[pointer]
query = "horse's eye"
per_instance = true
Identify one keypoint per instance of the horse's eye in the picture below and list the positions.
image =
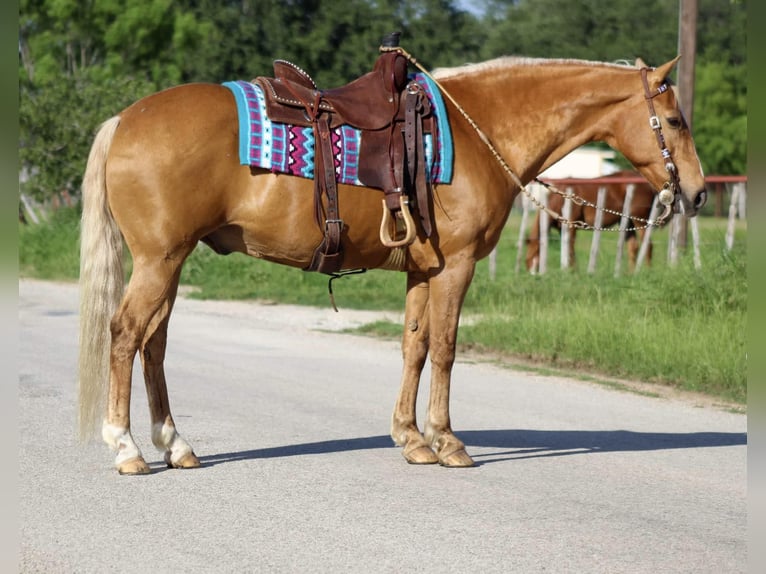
(674, 122)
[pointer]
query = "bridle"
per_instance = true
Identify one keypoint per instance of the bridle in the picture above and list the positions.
(668, 195)
(672, 189)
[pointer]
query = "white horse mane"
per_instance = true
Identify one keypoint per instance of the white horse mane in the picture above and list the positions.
(512, 61)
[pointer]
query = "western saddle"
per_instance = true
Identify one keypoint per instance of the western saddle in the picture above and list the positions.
(392, 114)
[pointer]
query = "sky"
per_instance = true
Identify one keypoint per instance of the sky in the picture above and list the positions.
(474, 6)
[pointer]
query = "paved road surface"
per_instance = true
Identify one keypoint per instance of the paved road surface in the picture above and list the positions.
(299, 475)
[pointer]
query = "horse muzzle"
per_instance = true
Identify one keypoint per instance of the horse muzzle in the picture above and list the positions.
(690, 207)
(675, 201)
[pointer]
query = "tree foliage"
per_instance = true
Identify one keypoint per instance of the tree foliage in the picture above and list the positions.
(602, 30)
(80, 61)
(720, 117)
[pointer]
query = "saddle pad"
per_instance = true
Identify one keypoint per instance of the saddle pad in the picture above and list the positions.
(284, 148)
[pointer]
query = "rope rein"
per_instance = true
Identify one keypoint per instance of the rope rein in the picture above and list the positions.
(565, 194)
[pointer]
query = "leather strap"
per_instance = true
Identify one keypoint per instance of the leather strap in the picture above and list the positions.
(418, 182)
(328, 256)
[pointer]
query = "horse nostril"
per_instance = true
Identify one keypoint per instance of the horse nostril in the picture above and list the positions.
(700, 199)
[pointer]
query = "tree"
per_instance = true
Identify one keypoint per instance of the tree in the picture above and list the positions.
(81, 62)
(720, 118)
(601, 30)
(57, 121)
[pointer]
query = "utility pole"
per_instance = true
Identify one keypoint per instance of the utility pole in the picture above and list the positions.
(687, 48)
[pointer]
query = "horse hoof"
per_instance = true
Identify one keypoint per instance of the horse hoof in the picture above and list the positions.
(456, 459)
(133, 466)
(421, 455)
(189, 460)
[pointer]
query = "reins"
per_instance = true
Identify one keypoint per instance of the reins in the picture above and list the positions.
(666, 195)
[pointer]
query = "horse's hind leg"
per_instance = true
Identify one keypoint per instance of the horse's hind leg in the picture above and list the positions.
(404, 429)
(178, 453)
(146, 293)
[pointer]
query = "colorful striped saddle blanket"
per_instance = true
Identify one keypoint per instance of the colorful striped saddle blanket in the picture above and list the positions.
(284, 148)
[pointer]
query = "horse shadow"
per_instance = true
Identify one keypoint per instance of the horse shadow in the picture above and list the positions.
(510, 444)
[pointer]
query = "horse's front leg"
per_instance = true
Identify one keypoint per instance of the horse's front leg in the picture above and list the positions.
(404, 429)
(177, 452)
(448, 290)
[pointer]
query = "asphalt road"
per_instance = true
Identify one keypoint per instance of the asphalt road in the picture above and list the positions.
(291, 420)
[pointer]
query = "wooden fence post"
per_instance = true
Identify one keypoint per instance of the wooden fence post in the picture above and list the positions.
(742, 203)
(520, 244)
(624, 222)
(566, 232)
(674, 231)
(542, 263)
(644, 249)
(594, 245)
(735, 205)
(696, 243)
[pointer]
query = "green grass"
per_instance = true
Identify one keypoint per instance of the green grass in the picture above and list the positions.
(51, 250)
(672, 326)
(237, 276)
(681, 328)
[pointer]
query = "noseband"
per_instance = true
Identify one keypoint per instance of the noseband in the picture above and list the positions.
(671, 191)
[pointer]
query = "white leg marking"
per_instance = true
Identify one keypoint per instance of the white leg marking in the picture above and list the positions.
(120, 440)
(166, 438)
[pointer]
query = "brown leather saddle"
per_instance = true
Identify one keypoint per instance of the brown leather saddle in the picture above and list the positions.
(392, 114)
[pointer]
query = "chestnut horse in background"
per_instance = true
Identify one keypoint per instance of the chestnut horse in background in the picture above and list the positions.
(164, 174)
(640, 207)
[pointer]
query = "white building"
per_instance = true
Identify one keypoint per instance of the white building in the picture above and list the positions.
(583, 162)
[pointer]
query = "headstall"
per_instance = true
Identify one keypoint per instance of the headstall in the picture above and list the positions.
(672, 187)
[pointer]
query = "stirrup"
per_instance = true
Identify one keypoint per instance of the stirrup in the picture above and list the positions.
(409, 236)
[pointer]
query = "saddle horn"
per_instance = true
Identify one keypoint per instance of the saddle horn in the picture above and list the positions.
(391, 40)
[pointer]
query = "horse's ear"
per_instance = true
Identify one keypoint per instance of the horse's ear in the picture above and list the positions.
(640, 63)
(659, 74)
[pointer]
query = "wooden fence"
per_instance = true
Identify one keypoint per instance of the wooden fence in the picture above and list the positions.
(717, 186)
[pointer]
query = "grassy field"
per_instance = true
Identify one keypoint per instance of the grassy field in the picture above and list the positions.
(670, 326)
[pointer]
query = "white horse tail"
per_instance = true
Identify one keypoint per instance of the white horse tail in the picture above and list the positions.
(101, 283)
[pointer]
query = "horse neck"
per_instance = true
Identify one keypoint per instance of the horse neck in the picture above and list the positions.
(537, 111)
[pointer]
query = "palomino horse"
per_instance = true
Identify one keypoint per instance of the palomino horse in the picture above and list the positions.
(164, 174)
(640, 207)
